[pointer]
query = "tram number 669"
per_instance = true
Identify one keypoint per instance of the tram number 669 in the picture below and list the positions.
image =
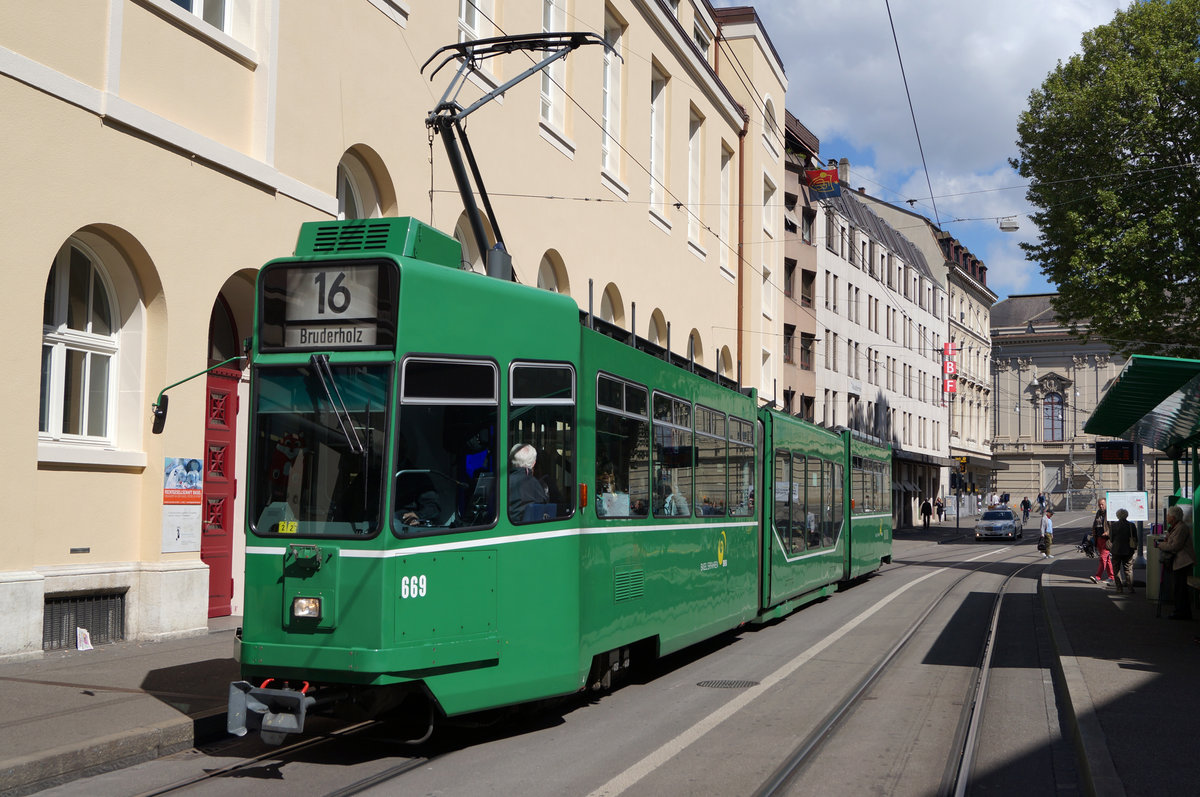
(412, 587)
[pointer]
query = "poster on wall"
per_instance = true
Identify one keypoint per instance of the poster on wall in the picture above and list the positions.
(183, 493)
(1135, 503)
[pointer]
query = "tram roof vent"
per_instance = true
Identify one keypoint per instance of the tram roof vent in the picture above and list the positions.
(404, 236)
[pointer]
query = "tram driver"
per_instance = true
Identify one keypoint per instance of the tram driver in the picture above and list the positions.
(417, 501)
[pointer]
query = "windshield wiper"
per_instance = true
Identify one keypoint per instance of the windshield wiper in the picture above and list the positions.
(320, 364)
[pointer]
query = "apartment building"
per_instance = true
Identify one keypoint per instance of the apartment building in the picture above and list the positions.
(881, 322)
(798, 384)
(163, 150)
(967, 361)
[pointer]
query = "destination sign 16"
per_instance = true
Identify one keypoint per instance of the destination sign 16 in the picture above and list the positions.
(335, 307)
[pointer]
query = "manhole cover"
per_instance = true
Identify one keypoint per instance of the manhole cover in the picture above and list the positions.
(727, 684)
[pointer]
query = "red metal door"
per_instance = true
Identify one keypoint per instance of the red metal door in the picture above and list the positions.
(220, 488)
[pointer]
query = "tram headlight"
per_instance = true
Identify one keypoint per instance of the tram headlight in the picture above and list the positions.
(309, 608)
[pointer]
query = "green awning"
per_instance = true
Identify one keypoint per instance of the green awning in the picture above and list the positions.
(1155, 401)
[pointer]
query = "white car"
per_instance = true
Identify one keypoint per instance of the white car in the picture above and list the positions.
(1000, 523)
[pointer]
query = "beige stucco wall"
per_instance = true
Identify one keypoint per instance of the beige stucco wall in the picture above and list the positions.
(182, 157)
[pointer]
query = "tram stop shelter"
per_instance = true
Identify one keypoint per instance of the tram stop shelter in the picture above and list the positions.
(1155, 402)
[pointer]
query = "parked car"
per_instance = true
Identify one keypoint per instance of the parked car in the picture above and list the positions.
(999, 523)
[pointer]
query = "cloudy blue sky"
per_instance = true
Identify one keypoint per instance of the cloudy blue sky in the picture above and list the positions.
(970, 66)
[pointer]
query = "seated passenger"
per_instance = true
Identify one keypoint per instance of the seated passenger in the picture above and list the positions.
(524, 489)
(675, 502)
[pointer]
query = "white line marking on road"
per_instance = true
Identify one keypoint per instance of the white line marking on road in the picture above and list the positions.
(677, 745)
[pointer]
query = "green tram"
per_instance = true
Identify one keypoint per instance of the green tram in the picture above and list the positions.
(462, 498)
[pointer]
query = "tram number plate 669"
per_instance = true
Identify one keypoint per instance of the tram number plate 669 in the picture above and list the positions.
(412, 587)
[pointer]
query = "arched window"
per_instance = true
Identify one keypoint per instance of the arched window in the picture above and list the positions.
(357, 195)
(79, 350)
(1052, 418)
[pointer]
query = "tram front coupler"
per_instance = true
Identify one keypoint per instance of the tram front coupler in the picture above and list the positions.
(273, 712)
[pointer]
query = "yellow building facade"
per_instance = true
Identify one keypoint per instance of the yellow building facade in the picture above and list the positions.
(157, 153)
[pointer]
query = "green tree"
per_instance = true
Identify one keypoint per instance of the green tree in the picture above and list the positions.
(1111, 143)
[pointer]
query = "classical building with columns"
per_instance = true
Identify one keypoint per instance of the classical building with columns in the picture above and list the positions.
(1046, 383)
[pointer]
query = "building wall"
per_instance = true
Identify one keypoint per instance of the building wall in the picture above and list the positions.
(1043, 444)
(879, 351)
(181, 157)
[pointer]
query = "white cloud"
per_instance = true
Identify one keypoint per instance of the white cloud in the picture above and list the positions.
(970, 68)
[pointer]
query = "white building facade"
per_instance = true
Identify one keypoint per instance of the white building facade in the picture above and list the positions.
(880, 318)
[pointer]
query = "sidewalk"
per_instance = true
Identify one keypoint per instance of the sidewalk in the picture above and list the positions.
(1127, 687)
(72, 714)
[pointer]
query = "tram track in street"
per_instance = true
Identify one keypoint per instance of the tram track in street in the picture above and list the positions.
(956, 777)
(260, 765)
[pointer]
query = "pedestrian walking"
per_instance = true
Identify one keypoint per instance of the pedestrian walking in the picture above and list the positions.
(926, 511)
(1123, 542)
(939, 506)
(1178, 545)
(1041, 503)
(1047, 533)
(1100, 536)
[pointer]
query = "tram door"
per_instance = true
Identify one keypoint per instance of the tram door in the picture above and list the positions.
(220, 488)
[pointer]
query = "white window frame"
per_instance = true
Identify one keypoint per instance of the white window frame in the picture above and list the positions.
(658, 138)
(727, 231)
(61, 340)
(553, 103)
(217, 13)
(472, 19)
(695, 173)
(610, 107)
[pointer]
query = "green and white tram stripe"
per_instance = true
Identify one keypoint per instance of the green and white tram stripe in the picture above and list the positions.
(487, 542)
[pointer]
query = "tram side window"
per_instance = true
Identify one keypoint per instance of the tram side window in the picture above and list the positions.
(622, 449)
(741, 468)
(782, 498)
(814, 500)
(541, 414)
(445, 471)
(790, 521)
(833, 527)
(862, 486)
(673, 456)
(710, 462)
(803, 521)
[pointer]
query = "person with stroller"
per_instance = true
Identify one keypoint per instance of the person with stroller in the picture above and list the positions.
(1100, 533)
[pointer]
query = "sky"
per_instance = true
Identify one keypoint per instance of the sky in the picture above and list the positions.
(970, 66)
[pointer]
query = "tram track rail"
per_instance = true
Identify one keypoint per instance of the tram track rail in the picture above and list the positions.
(295, 752)
(956, 777)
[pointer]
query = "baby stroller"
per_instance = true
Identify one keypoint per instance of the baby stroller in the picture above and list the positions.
(1087, 546)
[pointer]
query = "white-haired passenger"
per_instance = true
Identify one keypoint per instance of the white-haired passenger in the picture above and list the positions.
(524, 489)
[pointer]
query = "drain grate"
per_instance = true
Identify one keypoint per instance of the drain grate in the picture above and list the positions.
(727, 684)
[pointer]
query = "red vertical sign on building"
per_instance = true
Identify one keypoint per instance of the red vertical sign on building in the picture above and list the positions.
(949, 369)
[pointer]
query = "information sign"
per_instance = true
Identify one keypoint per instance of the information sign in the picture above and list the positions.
(1115, 451)
(1135, 503)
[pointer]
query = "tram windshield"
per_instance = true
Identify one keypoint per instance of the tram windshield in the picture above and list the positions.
(319, 441)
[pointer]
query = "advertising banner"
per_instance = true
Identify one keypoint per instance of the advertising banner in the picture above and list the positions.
(183, 494)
